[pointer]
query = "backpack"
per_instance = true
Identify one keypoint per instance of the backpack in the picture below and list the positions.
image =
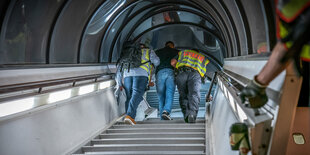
(130, 57)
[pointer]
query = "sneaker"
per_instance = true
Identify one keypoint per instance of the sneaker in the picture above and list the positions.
(191, 119)
(165, 115)
(129, 120)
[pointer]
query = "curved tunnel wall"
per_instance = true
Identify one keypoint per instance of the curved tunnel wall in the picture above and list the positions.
(83, 32)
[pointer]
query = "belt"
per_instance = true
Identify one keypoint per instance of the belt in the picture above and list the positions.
(186, 69)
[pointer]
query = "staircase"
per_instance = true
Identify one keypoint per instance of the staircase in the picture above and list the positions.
(152, 98)
(150, 137)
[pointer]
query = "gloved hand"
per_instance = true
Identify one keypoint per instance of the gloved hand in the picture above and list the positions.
(255, 93)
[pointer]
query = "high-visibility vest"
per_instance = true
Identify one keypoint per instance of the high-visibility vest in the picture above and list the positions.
(286, 13)
(305, 53)
(146, 58)
(289, 10)
(193, 59)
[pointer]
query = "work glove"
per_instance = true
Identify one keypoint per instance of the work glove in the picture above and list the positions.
(255, 93)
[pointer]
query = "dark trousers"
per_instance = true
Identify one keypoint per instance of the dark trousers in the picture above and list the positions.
(189, 83)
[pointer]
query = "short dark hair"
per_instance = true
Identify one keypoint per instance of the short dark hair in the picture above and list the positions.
(195, 49)
(169, 42)
(142, 45)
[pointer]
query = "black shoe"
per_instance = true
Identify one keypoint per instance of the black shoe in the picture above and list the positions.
(165, 115)
(191, 119)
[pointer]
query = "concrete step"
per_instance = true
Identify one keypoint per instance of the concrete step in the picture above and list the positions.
(154, 130)
(159, 126)
(164, 140)
(146, 153)
(144, 147)
(158, 121)
(153, 135)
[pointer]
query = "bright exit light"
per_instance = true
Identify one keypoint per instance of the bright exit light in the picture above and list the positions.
(60, 95)
(104, 85)
(86, 89)
(11, 107)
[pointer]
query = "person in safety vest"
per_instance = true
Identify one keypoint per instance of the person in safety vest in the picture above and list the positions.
(136, 81)
(293, 31)
(191, 68)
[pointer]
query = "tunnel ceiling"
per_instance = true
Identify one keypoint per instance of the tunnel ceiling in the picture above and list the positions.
(91, 32)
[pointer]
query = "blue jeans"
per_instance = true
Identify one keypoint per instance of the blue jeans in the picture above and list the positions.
(135, 87)
(165, 86)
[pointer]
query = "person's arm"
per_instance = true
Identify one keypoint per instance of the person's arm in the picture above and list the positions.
(151, 83)
(297, 33)
(154, 58)
(173, 62)
(273, 66)
(255, 90)
(119, 78)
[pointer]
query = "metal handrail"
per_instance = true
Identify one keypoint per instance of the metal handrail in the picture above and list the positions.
(254, 116)
(211, 85)
(40, 84)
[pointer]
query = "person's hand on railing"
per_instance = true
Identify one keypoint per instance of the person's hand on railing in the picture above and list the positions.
(255, 94)
(209, 99)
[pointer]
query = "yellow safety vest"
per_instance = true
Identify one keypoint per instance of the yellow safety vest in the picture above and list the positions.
(289, 10)
(305, 53)
(193, 59)
(287, 13)
(145, 58)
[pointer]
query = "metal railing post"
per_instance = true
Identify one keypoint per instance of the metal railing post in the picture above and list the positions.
(211, 85)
